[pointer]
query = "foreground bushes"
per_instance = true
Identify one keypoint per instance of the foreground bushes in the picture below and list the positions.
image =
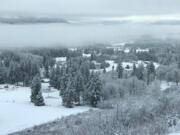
(120, 88)
(133, 116)
(125, 119)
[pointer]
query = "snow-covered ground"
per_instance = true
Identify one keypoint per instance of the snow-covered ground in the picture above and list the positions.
(111, 63)
(88, 55)
(130, 64)
(60, 59)
(165, 85)
(126, 50)
(142, 50)
(108, 69)
(124, 65)
(17, 113)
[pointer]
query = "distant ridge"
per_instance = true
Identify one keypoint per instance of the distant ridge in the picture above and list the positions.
(31, 20)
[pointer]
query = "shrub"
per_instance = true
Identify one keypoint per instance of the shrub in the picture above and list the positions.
(105, 105)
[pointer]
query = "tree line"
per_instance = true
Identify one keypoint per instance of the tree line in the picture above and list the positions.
(18, 67)
(76, 84)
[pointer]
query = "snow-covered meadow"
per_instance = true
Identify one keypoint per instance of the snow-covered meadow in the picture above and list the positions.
(108, 69)
(17, 113)
(112, 64)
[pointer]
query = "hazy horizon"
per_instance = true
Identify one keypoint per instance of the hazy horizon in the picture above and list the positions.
(65, 22)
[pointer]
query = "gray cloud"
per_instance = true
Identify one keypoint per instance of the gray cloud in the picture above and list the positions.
(92, 7)
(91, 21)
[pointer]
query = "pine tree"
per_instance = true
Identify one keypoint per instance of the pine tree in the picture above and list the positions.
(26, 79)
(140, 72)
(134, 70)
(93, 93)
(46, 66)
(85, 71)
(96, 94)
(63, 82)
(12, 72)
(151, 68)
(55, 75)
(68, 95)
(39, 100)
(2, 74)
(29, 69)
(88, 89)
(52, 76)
(176, 76)
(113, 68)
(151, 72)
(104, 70)
(79, 88)
(120, 70)
(178, 65)
(36, 95)
(34, 69)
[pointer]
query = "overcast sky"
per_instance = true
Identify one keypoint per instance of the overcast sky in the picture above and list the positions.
(87, 30)
(90, 7)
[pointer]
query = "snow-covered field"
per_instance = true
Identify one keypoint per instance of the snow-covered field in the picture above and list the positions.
(130, 64)
(137, 63)
(18, 113)
(165, 85)
(108, 69)
(124, 65)
(111, 63)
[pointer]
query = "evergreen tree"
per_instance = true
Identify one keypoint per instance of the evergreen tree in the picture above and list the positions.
(51, 62)
(36, 95)
(34, 69)
(120, 70)
(127, 67)
(39, 100)
(46, 66)
(113, 68)
(93, 56)
(151, 72)
(93, 93)
(134, 70)
(29, 68)
(12, 72)
(140, 72)
(176, 77)
(178, 65)
(79, 88)
(151, 68)
(2, 74)
(85, 71)
(26, 79)
(55, 77)
(52, 76)
(63, 81)
(68, 95)
(104, 70)
(97, 91)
